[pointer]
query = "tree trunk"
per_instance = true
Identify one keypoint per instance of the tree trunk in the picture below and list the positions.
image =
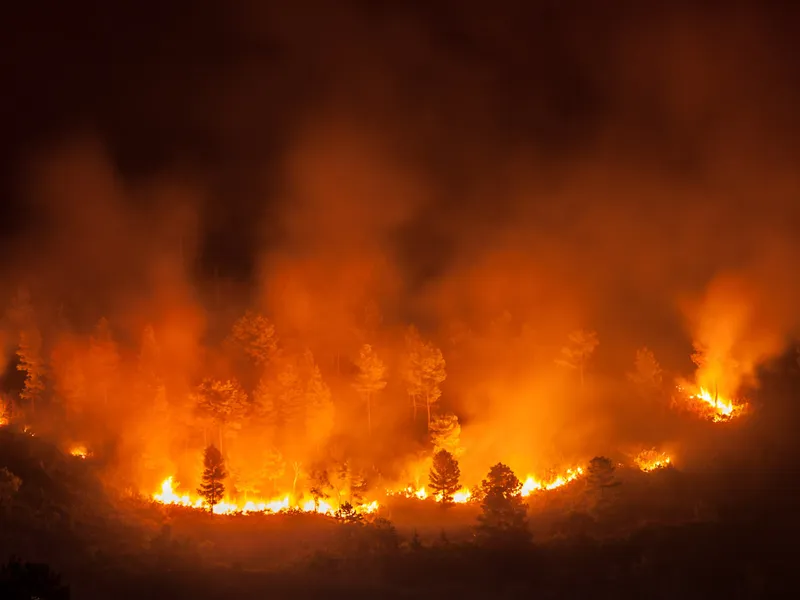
(414, 406)
(220, 437)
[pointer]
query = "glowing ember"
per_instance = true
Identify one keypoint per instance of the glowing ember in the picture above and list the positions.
(532, 484)
(3, 421)
(79, 452)
(651, 460)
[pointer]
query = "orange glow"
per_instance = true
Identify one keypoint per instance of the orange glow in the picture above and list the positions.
(714, 407)
(79, 451)
(533, 484)
(170, 496)
(651, 460)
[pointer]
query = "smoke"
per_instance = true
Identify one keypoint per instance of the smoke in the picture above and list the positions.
(498, 181)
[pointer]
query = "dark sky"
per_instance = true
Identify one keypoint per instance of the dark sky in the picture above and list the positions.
(219, 90)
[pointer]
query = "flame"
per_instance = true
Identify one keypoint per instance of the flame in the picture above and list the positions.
(3, 421)
(532, 484)
(651, 460)
(714, 406)
(462, 496)
(169, 496)
(79, 451)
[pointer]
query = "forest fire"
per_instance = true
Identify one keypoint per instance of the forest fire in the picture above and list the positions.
(169, 496)
(79, 451)
(722, 409)
(652, 460)
(533, 484)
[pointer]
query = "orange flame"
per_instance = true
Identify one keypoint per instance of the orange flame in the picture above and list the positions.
(651, 460)
(79, 451)
(170, 496)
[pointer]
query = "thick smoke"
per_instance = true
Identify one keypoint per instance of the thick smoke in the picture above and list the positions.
(499, 182)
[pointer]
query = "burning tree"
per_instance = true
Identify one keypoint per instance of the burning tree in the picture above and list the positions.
(503, 517)
(253, 335)
(212, 487)
(371, 378)
(576, 354)
(320, 484)
(273, 467)
(445, 432)
(318, 403)
(224, 402)
(424, 371)
(444, 476)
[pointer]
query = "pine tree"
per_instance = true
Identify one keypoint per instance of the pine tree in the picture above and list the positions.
(224, 402)
(281, 401)
(647, 371)
(32, 363)
(600, 477)
(273, 467)
(29, 351)
(433, 374)
(412, 368)
(253, 335)
(445, 432)
(212, 487)
(503, 517)
(370, 378)
(319, 409)
(577, 353)
(444, 476)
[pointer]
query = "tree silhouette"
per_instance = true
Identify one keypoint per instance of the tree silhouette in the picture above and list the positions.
(647, 372)
(412, 367)
(445, 432)
(212, 486)
(32, 363)
(600, 476)
(320, 484)
(576, 354)
(104, 360)
(29, 349)
(503, 517)
(253, 335)
(319, 409)
(273, 467)
(224, 402)
(432, 374)
(444, 476)
(370, 378)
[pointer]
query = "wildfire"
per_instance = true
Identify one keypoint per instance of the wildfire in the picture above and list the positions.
(79, 452)
(651, 460)
(533, 484)
(168, 495)
(713, 406)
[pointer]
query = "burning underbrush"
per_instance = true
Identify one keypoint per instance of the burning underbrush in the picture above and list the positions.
(170, 494)
(707, 405)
